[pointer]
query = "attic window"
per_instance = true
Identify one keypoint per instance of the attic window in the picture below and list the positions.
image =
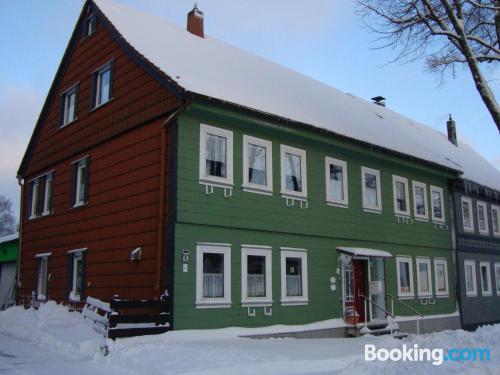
(102, 85)
(90, 26)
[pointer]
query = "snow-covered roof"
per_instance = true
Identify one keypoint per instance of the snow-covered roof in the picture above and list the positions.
(360, 251)
(10, 237)
(216, 69)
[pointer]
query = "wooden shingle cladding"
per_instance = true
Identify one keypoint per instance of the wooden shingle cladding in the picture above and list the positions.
(122, 139)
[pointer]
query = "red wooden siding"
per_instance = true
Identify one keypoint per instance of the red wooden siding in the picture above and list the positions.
(124, 179)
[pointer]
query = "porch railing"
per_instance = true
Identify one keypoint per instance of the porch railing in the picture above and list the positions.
(418, 315)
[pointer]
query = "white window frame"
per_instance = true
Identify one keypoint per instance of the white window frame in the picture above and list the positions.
(264, 251)
(441, 194)
(98, 80)
(342, 164)
(79, 175)
(43, 258)
(76, 254)
(489, 290)
(497, 209)
(473, 292)
(284, 149)
(34, 197)
(90, 25)
(404, 181)
(46, 210)
(423, 186)
(288, 252)
(486, 229)
(224, 249)
(65, 96)
(471, 216)
(409, 260)
(247, 185)
(366, 206)
(443, 262)
(226, 182)
(497, 278)
(426, 261)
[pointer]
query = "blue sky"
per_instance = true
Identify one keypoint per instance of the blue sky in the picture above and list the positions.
(321, 38)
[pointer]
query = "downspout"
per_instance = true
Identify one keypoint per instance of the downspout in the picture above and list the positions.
(454, 252)
(163, 192)
(21, 216)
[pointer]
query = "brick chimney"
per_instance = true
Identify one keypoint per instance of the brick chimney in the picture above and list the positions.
(452, 131)
(195, 22)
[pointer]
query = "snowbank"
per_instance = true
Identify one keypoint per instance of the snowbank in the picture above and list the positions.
(53, 327)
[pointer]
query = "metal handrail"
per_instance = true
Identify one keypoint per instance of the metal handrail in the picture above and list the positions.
(408, 307)
(404, 304)
(374, 303)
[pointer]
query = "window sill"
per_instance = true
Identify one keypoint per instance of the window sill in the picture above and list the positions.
(422, 219)
(294, 302)
(257, 190)
(263, 303)
(487, 294)
(438, 222)
(406, 296)
(337, 204)
(402, 215)
(101, 105)
(217, 183)
(291, 195)
(62, 126)
(213, 304)
(79, 205)
(484, 234)
(467, 230)
(471, 294)
(447, 295)
(373, 210)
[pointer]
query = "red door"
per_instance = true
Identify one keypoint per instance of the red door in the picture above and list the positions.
(359, 273)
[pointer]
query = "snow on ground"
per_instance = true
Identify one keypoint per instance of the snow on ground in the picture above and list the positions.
(52, 340)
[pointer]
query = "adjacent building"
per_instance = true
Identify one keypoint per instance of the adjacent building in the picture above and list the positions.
(9, 248)
(168, 163)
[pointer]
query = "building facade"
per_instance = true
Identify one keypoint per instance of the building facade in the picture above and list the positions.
(9, 249)
(176, 165)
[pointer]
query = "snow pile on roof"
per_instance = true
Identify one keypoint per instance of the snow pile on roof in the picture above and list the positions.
(9, 237)
(54, 327)
(213, 68)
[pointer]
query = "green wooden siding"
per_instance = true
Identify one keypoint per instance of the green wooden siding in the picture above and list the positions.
(249, 218)
(9, 251)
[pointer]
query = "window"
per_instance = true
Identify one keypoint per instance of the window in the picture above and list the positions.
(497, 278)
(424, 278)
(294, 290)
(405, 276)
(90, 26)
(437, 204)
(441, 276)
(76, 274)
(485, 278)
(216, 156)
(102, 85)
(43, 276)
(370, 179)
(69, 106)
(467, 218)
(420, 200)
(213, 275)
(257, 165)
(401, 196)
(80, 182)
(40, 195)
(470, 278)
(256, 275)
(47, 201)
(482, 217)
(34, 187)
(293, 172)
(336, 182)
(495, 221)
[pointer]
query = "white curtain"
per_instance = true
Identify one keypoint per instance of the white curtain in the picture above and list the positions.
(336, 183)
(216, 156)
(213, 285)
(441, 287)
(256, 285)
(293, 285)
(419, 198)
(404, 277)
(257, 165)
(423, 277)
(371, 189)
(293, 172)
